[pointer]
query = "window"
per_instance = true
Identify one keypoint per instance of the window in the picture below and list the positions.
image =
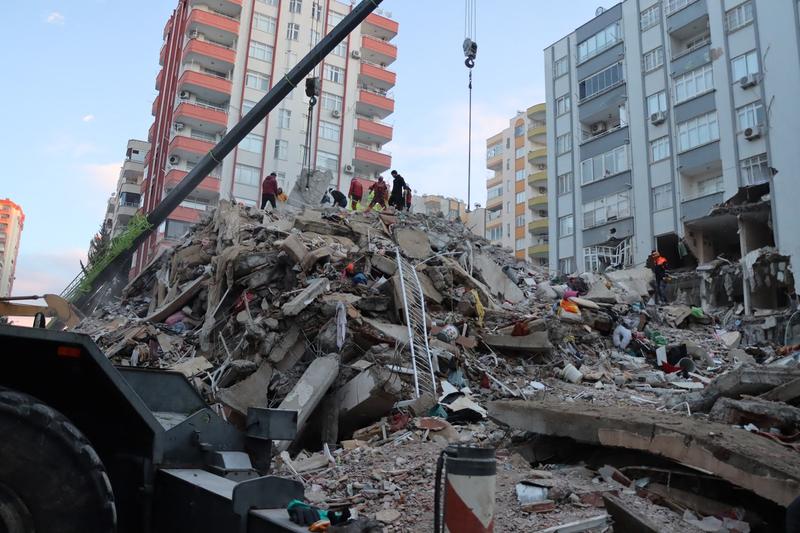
(710, 186)
(508, 210)
(750, 116)
(284, 119)
(566, 265)
(293, 31)
(563, 143)
(520, 244)
(329, 131)
(341, 49)
(739, 16)
(175, 229)
(603, 210)
(495, 193)
(604, 165)
(563, 105)
(662, 197)
(281, 150)
(605, 38)
(520, 197)
(566, 226)
(494, 151)
(331, 102)
(698, 131)
(520, 175)
(255, 80)
(314, 37)
(519, 221)
(657, 102)
(564, 183)
(264, 22)
(316, 11)
(246, 175)
(328, 161)
(674, 5)
(495, 234)
(560, 67)
(508, 164)
(260, 51)
(653, 59)
(247, 105)
(519, 131)
(744, 65)
(334, 18)
(252, 143)
(755, 169)
(603, 80)
(334, 74)
(659, 149)
(295, 6)
(269, 2)
(508, 143)
(649, 17)
(520, 152)
(693, 83)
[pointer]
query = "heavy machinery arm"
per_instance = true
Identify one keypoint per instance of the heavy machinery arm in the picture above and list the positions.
(81, 291)
(57, 307)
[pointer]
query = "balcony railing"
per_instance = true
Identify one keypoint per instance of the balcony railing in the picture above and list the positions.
(372, 148)
(671, 6)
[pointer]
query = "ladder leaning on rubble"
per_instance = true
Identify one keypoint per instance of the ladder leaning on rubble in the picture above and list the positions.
(414, 308)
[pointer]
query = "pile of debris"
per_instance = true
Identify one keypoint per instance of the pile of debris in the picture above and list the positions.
(395, 335)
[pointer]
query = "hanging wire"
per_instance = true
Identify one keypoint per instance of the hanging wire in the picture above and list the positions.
(470, 47)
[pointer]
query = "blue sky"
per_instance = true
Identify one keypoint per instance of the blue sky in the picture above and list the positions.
(80, 78)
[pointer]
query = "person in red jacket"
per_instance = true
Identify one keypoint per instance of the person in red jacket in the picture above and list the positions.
(355, 194)
(381, 191)
(269, 190)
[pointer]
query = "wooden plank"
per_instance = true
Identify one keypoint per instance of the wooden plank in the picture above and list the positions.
(179, 301)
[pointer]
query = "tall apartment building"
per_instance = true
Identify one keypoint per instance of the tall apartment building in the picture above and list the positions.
(12, 219)
(220, 57)
(434, 204)
(517, 202)
(126, 199)
(663, 117)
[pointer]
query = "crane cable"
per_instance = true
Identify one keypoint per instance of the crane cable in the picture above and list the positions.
(470, 52)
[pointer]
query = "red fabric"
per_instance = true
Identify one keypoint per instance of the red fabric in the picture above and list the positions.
(356, 189)
(270, 185)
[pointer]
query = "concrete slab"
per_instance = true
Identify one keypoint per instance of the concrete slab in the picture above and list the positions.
(499, 284)
(537, 343)
(413, 243)
(250, 392)
(395, 332)
(294, 306)
(294, 248)
(367, 397)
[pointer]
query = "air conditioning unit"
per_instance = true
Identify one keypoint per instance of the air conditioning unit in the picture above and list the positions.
(355, 54)
(748, 81)
(658, 118)
(174, 160)
(752, 133)
(598, 128)
(185, 95)
(348, 169)
(541, 166)
(194, 34)
(336, 113)
(542, 214)
(179, 126)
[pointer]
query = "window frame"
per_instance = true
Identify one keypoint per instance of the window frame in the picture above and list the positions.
(252, 177)
(664, 154)
(570, 227)
(563, 105)
(602, 160)
(713, 131)
(662, 192)
(295, 6)
(261, 51)
(557, 72)
(564, 143)
(281, 149)
(618, 37)
(740, 11)
(326, 126)
(595, 80)
(259, 77)
(252, 140)
(265, 23)
(746, 59)
(691, 79)
(661, 98)
(749, 164)
(333, 74)
(646, 18)
(659, 54)
(565, 183)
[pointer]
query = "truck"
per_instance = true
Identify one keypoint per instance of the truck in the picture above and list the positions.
(88, 447)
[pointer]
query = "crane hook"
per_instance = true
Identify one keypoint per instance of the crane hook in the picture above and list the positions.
(470, 51)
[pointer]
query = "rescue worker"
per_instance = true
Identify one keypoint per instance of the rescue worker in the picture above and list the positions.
(399, 187)
(269, 190)
(408, 200)
(658, 264)
(355, 193)
(332, 196)
(380, 191)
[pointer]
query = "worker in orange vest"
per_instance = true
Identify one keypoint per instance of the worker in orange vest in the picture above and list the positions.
(658, 264)
(355, 193)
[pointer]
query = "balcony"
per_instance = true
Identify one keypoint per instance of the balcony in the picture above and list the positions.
(185, 214)
(539, 250)
(371, 131)
(154, 107)
(538, 202)
(159, 79)
(230, 8)
(376, 76)
(215, 26)
(125, 211)
(538, 179)
(132, 169)
(379, 26)
(538, 156)
(209, 55)
(539, 227)
(700, 207)
(537, 131)
(209, 186)
(537, 111)
(496, 180)
(189, 149)
(203, 117)
(374, 104)
(494, 202)
(370, 161)
(162, 55)
(151, 132)
(495, 162)
(378, 51)
(206, 86)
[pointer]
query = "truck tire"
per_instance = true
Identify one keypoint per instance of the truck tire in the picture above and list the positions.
(51, 479)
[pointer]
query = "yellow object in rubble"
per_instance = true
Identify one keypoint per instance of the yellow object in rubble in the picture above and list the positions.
(478, 307)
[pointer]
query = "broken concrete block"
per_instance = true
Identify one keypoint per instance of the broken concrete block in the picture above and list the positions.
(395, 332)
(314, 257)
(388, 266)
(309, 390)
(413, 243)
(788, 392)
(284, 344)
(762, 413)
(250, 392)
(499, 284)
(544, 291)
(537, 343)
(731, 338)
(367, 397)
(294, 306)
(430, 292)
(748, 380)
(192, 367)
(294, 248)
(600, 293)
(744, 459)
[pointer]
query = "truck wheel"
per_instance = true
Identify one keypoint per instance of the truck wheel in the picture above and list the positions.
(51, 479)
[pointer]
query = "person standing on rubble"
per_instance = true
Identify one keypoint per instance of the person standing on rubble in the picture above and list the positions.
(399, 187)
(355, 193)
(269, 190)
(658, 264)
(380, 191)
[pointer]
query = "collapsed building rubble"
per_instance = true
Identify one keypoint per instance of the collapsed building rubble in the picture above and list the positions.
(388, 357)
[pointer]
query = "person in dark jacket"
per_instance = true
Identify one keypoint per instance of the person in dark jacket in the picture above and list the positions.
(658, 264)
(399, 187)
(269, 190)
(332, 196)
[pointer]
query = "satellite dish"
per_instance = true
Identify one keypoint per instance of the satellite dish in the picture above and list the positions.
(599, 11)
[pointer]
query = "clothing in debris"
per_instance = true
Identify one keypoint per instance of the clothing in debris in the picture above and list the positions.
(269, 190)
(355, 193)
